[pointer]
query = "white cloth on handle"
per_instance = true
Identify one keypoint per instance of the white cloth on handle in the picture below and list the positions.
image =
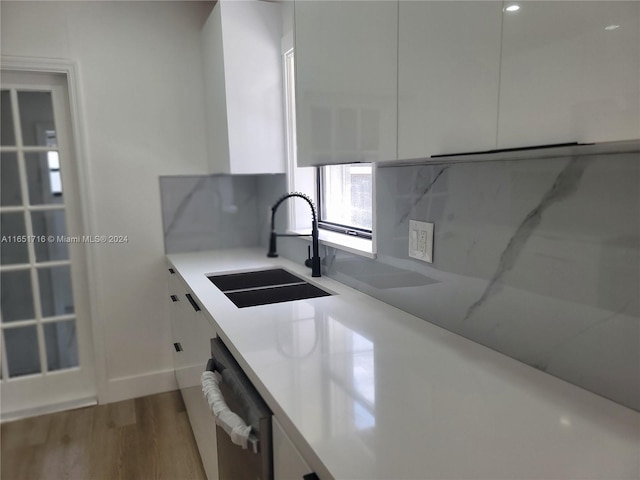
(237, 429)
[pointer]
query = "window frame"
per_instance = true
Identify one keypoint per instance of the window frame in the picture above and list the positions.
(344, 229)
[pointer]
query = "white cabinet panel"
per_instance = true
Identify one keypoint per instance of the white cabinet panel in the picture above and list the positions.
(192, 330)
(346, 81)
(243, 87)
(215, 93)
(448, 77)
(288, 464)
(570, 72)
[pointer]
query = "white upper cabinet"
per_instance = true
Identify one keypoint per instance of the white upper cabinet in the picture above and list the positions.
(570, 73)
(448, 77)
(243, 87)
(387, 80)
(346, 81)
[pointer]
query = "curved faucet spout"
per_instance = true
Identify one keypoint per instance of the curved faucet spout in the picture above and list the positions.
(314, 261)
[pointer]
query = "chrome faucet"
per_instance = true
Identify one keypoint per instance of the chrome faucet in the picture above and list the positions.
(314, 260)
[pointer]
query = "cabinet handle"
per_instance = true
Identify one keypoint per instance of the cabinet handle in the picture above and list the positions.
(310, 476)
(193, 303)
(178, 347)
(172, 271)
(174, 298)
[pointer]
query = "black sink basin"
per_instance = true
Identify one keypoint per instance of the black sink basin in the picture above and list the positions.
(259, 278)
(262, 287)
(265, 296)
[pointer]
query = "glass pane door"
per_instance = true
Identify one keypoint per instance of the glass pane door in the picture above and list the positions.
(38, 319)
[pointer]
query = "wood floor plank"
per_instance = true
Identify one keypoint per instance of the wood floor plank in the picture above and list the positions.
(66, 448)
(148, 431)
(176, 433)
(30, 431)
(145, 438)
(24, 463)
(188, 464)
(108, 445)
(121, 414)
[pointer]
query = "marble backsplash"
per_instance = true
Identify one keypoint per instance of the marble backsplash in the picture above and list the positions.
(538, 259)
(217, 211)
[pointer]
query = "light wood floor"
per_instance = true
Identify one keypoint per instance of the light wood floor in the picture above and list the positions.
(144, 438)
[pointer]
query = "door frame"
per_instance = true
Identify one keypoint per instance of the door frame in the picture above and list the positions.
(70, 70)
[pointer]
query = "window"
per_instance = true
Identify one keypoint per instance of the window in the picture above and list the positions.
(345, 197)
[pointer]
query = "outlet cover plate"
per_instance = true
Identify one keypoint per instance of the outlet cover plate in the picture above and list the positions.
(421, 240)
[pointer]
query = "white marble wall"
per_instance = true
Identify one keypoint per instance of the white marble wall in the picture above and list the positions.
(217, 211)
(538, 259)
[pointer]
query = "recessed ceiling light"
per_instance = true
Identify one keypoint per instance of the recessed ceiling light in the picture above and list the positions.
(512, 8)
(611, 27)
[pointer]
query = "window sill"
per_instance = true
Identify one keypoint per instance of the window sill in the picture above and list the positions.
(355, 245)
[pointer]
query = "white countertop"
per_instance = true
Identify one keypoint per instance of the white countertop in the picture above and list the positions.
(367, 391)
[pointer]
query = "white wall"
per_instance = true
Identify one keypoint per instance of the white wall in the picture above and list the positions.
(141, 87)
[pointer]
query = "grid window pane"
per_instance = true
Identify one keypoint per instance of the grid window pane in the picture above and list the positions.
(36, 118)
(61, 343)
(56, 296)
(7, 134)
(41, 189)
(16, 296)
(10, 179)
(23, 356)
(47, 224)
(14, 248)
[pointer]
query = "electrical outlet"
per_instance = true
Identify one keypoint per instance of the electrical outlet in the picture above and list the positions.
(421, 240)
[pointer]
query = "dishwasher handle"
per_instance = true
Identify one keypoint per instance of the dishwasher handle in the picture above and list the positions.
(230, 422)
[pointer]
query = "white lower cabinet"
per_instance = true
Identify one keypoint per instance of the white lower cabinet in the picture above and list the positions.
(191, 332)
(288, 464)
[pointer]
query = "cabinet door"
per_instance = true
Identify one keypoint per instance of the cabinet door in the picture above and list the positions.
(448, 75)
(243, 87)
(288, 464)
(199, 333)
(346, 81)
(570, 72)
(252, 32)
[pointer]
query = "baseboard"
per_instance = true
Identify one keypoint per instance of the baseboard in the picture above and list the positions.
(118, 389)
(46, 409)
(124, 388)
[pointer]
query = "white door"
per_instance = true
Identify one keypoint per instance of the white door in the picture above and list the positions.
(47, 359)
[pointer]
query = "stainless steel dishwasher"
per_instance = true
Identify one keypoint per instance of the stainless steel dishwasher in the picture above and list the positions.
(235, 391)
